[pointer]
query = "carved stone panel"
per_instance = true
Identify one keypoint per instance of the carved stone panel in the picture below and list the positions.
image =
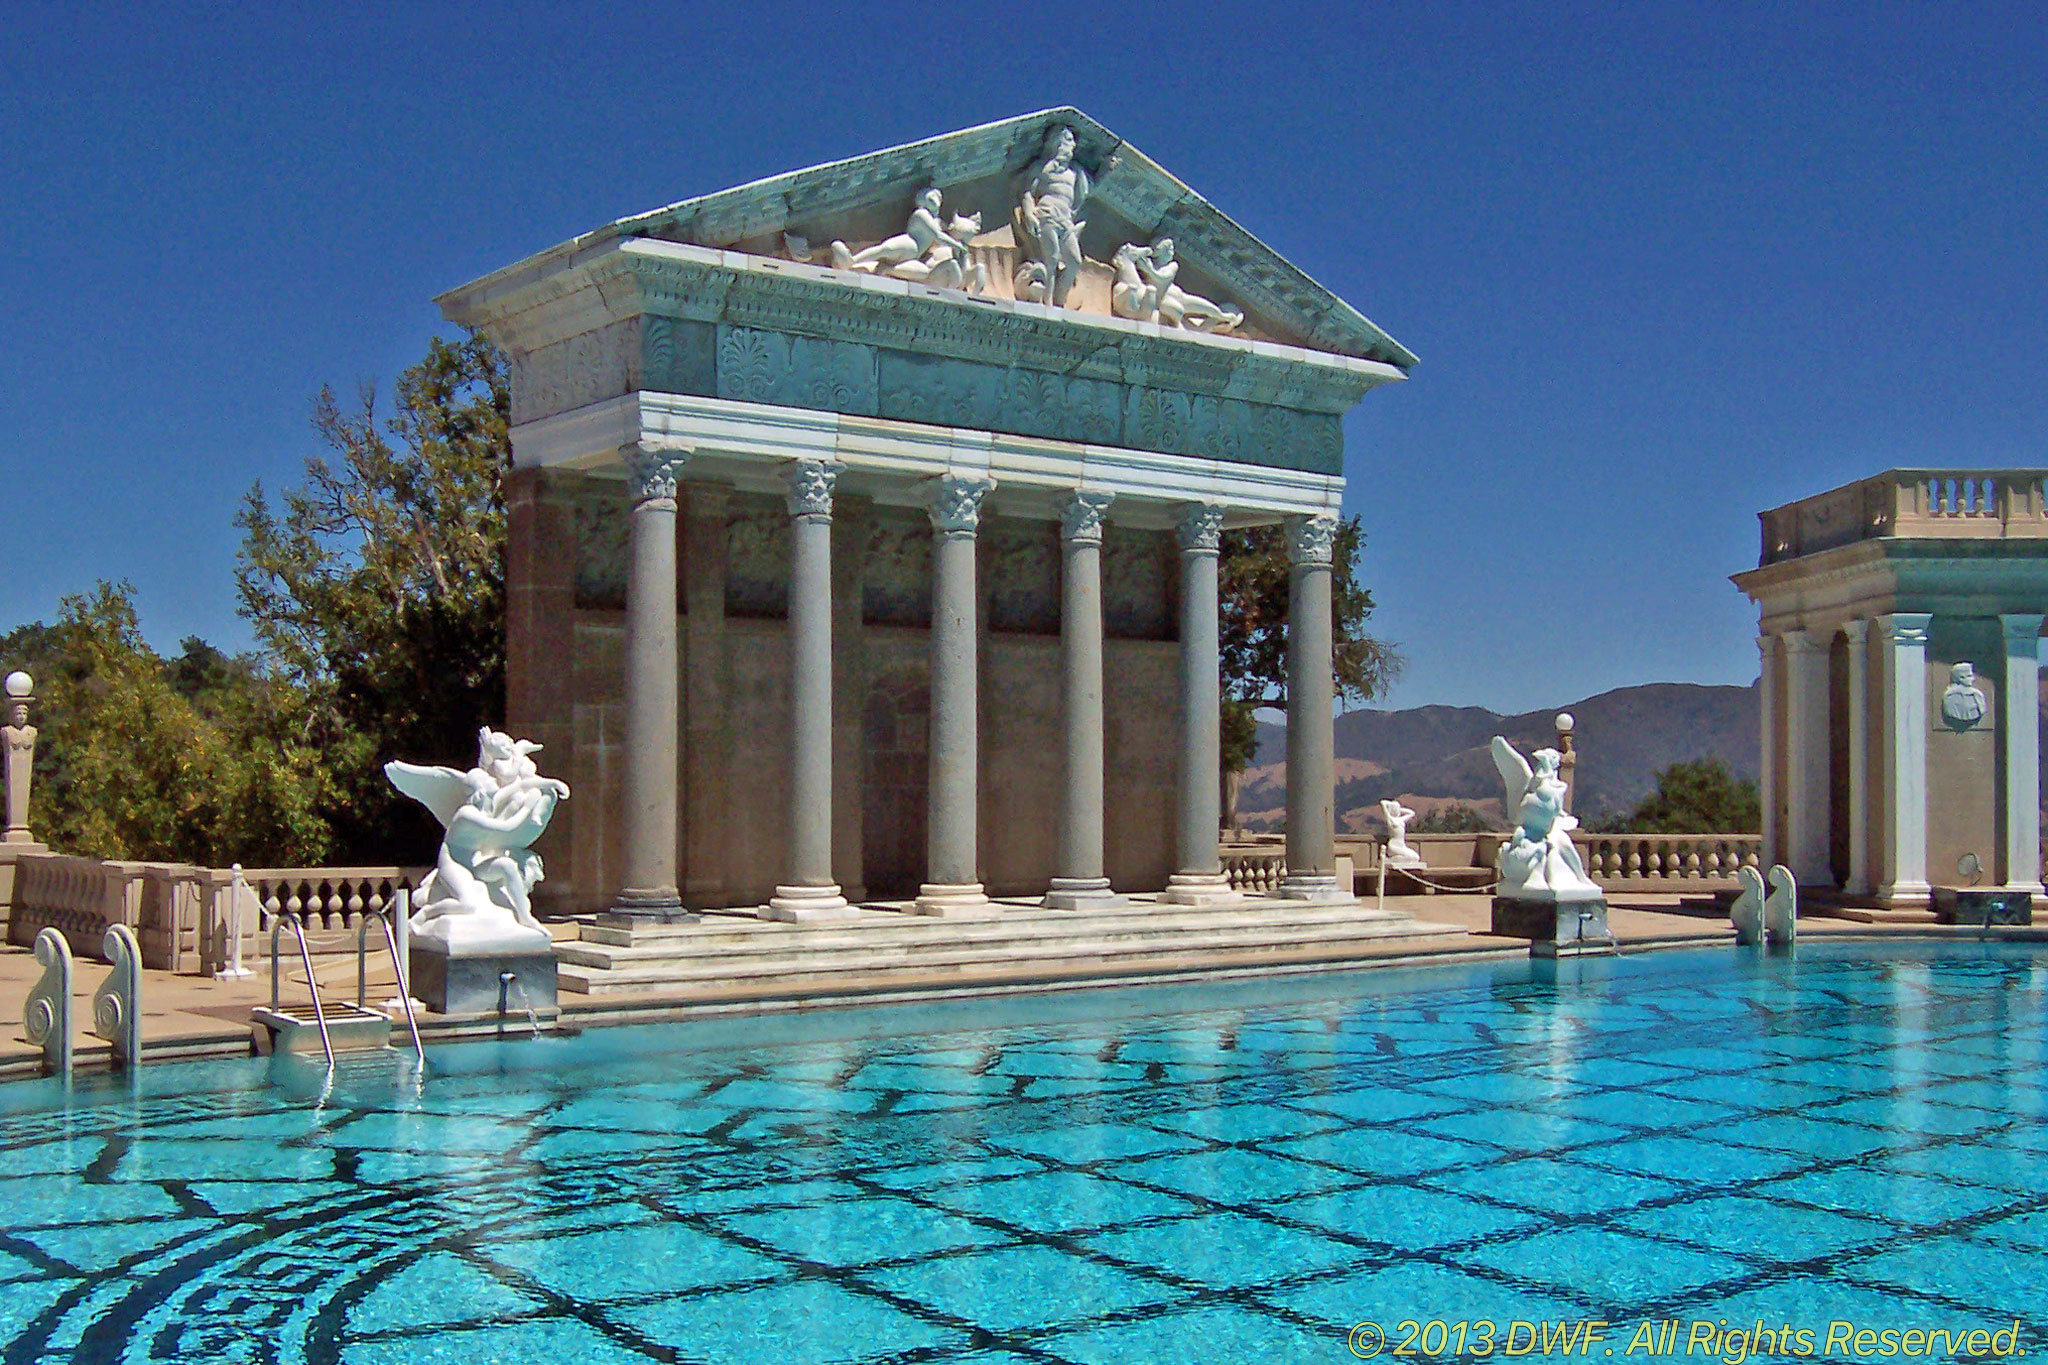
(795, 372)
(1021, 560)
(757, 557)
(601, 524)
(1140, 584)
(1228, 429)
(679, 356)
(573, 373)
(959, 393)
(897, 589)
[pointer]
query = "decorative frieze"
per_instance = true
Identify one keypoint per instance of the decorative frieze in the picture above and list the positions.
(584, 369)
(795, 371)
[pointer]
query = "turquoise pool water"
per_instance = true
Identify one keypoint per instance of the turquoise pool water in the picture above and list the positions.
(1222, 1172)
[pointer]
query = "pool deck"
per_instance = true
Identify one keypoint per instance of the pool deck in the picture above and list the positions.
(193, 1016)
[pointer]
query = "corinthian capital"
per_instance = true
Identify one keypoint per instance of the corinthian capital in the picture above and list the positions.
(1201, 529)
(956, 503)
(1309, 539)
(652, 471)
(810, 488)
(1081, 516)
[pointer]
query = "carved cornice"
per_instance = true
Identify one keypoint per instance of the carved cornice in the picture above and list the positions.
(810, 488)
(652, 471)
(1081, 514)
(1200, 531)
(1310, 540)
(956, 504)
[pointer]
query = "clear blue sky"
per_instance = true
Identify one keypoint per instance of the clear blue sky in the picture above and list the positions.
(1664, 265)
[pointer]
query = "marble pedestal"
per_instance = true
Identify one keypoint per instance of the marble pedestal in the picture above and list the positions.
(1554, 926)
(470, 980)
(1986, 905)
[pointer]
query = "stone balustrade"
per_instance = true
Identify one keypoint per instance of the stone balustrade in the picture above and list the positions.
(1255, 869)
(1945, 504)
(1667, 862)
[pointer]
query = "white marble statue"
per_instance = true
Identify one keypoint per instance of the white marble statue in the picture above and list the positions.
(1048, 222)
(1781, 908)
(1962, 705)
(1747, 911)
(1399, 852)
(1538, 862)
(1145, 290)
(927, 250)
(479, 895)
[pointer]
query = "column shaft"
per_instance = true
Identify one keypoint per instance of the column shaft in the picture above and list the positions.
(1905, 677)
(1773, 841)
(1078, 881)
(809, 892)
(1311, 724)
(1859, 882)
(952, 884)
(1807, 800)
(2022, 697)
(651, 688)
(1199, 879)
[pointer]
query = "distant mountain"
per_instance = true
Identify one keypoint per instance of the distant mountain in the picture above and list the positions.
(1430, 756)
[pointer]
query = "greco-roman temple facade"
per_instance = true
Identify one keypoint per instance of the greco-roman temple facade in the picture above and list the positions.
(865, 520)
(1901, 650)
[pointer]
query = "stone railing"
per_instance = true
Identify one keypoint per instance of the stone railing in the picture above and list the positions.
(1667, 862)
(183, 916)
(1947, 504)
(1255, 867)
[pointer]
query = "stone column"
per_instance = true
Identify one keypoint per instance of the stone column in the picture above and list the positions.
(1311, 726)
(810, 894)
(953, 887)
(1080, 883)
(707, 738)
(1199, 879)
(2021, 692)
(1807, 801)
(1772, 845)
(1904, 640)
(1858, 632)
(650, 892)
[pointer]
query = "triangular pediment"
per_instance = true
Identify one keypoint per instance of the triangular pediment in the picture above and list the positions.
(863, 202)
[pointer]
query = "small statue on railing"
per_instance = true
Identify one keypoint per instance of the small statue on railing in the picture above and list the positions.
(1399, 852)
(480, 891)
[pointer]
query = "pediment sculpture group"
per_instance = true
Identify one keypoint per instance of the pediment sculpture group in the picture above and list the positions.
(1046, 224)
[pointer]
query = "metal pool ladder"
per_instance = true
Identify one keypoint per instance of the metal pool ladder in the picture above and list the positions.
(312, 984)
(398, 969)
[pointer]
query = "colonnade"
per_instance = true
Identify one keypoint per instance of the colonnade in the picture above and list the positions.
(952, 887)
(1887, 739)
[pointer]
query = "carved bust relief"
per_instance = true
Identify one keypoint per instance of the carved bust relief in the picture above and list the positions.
(1963, 704)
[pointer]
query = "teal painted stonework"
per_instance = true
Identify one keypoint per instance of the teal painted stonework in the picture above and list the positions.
(758, 366)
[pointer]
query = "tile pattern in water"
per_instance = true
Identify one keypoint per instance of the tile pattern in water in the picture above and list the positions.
(1231, 1172)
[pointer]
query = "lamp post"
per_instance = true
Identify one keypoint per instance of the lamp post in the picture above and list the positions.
(1568, 758)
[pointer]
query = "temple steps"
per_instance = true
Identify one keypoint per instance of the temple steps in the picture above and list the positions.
(730, 951)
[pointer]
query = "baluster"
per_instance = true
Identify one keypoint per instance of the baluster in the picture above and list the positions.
(1692, 863)
(1632, 865)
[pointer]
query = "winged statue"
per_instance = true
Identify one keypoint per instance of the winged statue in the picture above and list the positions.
(1538, 862)
(481, 889)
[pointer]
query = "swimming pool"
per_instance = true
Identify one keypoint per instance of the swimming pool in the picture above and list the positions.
(1230, 1171)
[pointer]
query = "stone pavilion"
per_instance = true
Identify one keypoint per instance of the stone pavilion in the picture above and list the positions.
(865, 520)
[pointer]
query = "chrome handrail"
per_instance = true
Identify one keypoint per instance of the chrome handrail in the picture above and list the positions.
(277, 922)
(404, 986)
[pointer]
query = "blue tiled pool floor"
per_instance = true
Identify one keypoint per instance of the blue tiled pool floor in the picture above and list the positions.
(1229, 1171)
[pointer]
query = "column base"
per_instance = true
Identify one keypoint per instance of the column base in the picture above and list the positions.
(1905, 895)
(965, 900)
(661, 905)
(807, 905)
(1199, 888)
(1082, 893)
(1313, 886)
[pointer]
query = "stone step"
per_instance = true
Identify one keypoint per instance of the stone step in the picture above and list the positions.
(1051, 933)
(1021, 958)
(736, 928)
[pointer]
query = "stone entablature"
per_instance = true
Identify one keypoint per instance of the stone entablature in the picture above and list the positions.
(1911, 504)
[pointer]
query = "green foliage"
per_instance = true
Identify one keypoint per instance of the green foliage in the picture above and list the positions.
(1700, 797)
(1456, 818)
(1252, 586)
(192, 759)
(378, 586)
